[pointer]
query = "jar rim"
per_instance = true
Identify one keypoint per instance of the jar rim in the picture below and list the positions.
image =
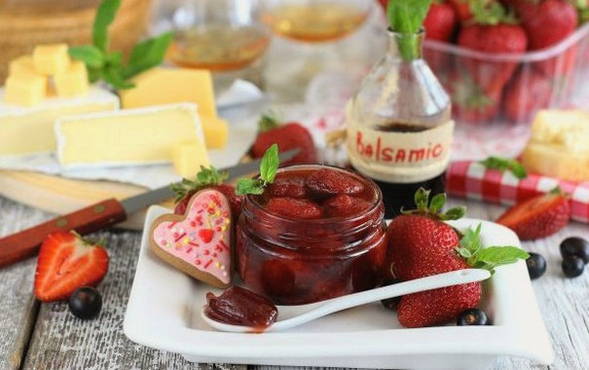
(374, 207)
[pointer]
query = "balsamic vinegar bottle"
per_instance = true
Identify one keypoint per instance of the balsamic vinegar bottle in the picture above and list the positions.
(399, 124)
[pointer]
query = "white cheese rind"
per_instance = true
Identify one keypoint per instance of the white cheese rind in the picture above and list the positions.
(62, 140)
(97, 98)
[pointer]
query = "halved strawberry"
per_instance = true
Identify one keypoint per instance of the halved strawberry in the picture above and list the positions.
(65, 263)
(538, 217)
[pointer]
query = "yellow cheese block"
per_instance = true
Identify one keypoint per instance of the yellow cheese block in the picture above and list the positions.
(559, 145)
(216, 132)
(167, 86)
(189, 157)
(23, 64)
(25, 89)
(29, 130)
(50, 59)
(73, 81)
(128, 137)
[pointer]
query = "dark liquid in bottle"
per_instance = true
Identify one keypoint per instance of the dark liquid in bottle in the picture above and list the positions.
(401, 196)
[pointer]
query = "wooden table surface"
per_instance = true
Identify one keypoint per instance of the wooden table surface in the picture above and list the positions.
(47, 336)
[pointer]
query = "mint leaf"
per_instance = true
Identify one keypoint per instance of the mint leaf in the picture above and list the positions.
(113, 75)
(105, 15)
(89, 54)
(505, 164)
(249, 186)
(491, 257)
(472, 250)
(269, 164)
(148, 54)
(406, 19)
(94, 74)
(268, 169)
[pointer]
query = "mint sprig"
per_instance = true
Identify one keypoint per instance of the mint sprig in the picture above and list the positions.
(505, 164)
(406, 19)
(207, 176)
(268, 169)
(108, 65)
(434, 208)
(472, 250)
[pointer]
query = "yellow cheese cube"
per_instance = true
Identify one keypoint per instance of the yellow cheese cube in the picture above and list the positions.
(216, 132)
(167, 86)
(26, 89)
(51, 59)
(73, 81)
(23, 64)
(189, 157)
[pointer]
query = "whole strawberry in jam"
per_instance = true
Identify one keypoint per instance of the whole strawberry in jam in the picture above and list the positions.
(421, 244)
(206, 178)
(287, 136)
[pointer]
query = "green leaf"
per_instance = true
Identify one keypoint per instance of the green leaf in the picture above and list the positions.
(148, 54)
(269, 164)
(491, 257)
(421, 199)
(249, 186)
(89, 54)
(105, 15)
(437, 203)
(207, 176)
(268, 121)
(406, 19)
(113, 76)
(94, 74)
(505, 164)
(114, 59)
(453, 214)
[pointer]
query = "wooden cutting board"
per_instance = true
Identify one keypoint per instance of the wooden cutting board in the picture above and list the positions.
(59, 195)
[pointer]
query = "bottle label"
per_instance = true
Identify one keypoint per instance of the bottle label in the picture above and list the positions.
(400, 157)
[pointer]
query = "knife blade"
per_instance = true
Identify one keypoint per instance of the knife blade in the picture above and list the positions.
(23, 244)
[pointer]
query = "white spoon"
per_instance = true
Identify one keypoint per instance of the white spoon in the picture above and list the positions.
(310, 312)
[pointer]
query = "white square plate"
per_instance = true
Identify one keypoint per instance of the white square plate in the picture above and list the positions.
(164, 312)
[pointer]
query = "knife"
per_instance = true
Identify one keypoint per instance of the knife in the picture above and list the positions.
(23, 244)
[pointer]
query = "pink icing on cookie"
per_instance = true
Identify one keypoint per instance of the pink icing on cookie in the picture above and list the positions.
(203, 238)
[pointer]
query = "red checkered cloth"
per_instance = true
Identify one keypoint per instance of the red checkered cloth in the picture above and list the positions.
(470, 179)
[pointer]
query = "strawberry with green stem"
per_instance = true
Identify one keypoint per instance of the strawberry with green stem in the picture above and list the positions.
(208, 177)
(492, 30)
(470, 102)
(287, 136)
(421, 244)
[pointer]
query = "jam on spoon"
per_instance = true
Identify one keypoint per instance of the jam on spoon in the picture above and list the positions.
(239, 306)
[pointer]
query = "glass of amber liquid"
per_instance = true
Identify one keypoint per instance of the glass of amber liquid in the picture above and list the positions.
(223, 36)
(312, 38)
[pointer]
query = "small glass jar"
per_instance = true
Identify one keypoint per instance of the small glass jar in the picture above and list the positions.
(297, 261)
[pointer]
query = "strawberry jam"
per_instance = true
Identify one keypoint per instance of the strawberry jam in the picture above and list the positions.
(238, 306)
(317, 233)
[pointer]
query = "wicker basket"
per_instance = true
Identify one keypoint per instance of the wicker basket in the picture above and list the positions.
(26, 23)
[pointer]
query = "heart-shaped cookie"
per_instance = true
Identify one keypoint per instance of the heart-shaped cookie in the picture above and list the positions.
(197, 243)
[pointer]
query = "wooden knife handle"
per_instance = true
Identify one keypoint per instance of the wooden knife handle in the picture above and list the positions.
(23, 244)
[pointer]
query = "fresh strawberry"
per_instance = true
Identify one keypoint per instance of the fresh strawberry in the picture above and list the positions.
(440, 22)
(470, 104)
(328, 182)
(294, 208)
(288, 136)
(538, 217)
(529, 92)
(492, 31)
(206, 178)
(421, 244)
(462, 9)
(547, 22)
(343, 205)
(65, 263)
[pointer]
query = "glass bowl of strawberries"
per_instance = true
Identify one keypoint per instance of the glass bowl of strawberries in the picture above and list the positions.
(316, 233)
(502, 61)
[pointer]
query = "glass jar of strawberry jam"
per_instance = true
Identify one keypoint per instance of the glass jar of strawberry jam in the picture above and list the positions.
(316, 233)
